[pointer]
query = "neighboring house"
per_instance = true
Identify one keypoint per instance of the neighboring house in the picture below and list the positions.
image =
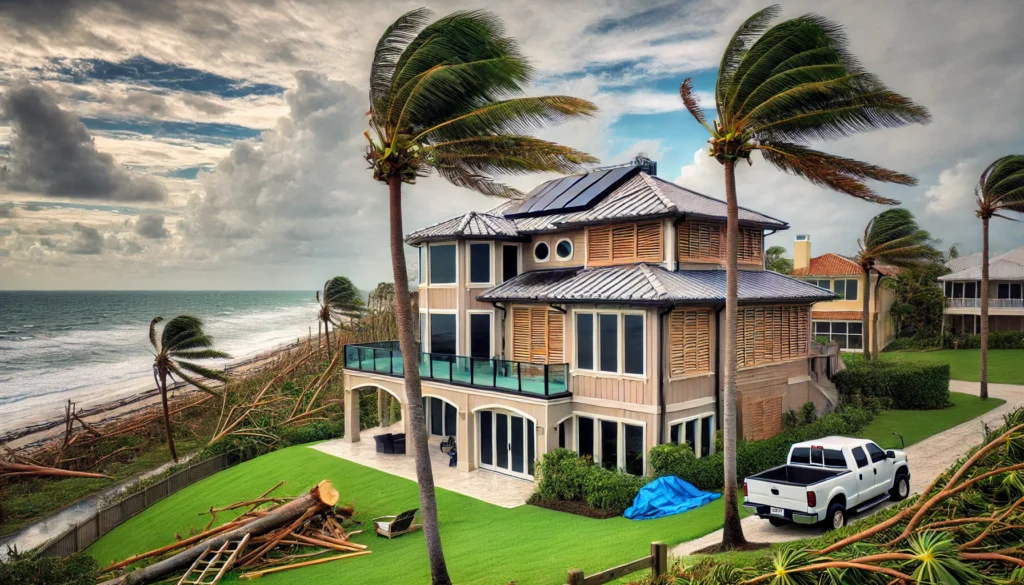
(589, 316)
(1006, 293)
(842, 319)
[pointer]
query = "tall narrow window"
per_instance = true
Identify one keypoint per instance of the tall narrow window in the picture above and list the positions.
(609, 444)
(451, 416)
(423, 264)
(442, 333)
(691, 434)
(479, 263)
(634, 449)
(423, 331)
(436, 416)
(585, 341)
(706, 433)
(480, 335)
(608, 342)
(1002, 290)
(585, 436)
(531, 448)
(509, 262)
(840, 289)
(442, 264)
(486, 440)
(971, 290)
(633, 344)
(851, 290)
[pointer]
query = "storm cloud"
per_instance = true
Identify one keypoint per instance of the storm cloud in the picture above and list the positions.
(151, 225)
(85, 240)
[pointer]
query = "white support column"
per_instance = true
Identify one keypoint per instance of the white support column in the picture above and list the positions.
(351, 416)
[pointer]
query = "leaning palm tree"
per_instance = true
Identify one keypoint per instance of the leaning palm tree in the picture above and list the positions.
(340, 300)
(182, 339)
(447, 97)
(891, 238)
(778, 89)
(1000, 189)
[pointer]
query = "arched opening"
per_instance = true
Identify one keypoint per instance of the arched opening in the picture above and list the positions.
(442, 416)
(379, 406)
(507, 440)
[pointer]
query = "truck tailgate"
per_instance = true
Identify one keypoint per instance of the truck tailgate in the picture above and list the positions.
(779, 495)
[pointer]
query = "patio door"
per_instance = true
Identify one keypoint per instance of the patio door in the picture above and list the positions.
(507, 443)
(441, 416)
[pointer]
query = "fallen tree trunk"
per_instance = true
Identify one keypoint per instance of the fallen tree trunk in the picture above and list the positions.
(18, 469)
(323, 496)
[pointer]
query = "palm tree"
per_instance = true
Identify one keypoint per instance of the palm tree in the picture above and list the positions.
(893, 238)
(776, 261)
(778, 89)
(340, 299)
(1000, 189)
(447, 97)
(182, 339)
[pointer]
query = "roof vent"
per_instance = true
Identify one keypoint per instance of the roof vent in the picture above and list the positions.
(646, 165)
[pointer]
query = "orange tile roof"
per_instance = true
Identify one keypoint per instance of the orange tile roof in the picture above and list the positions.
(837, 315)
(830, 265)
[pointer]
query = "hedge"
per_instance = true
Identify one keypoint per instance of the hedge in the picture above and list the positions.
(908, 385)
(996, 340)
(21, 568)
(567, 477)
(752, 457)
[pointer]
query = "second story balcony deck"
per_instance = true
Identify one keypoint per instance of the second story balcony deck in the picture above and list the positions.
(992, 303)
(544, 381)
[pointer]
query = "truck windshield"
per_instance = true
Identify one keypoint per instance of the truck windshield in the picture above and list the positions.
(818, 456)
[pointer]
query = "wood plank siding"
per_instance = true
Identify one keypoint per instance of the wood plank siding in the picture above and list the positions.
(439, 297)
(761, 394)
(698, 241)
(625, 243)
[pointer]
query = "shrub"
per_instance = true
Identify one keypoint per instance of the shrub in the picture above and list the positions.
(316, 431)
(910, 386)
(752, 457)
(1005, 340)
(808, 413)
(565, 476)
(31, 569)
(790, 420)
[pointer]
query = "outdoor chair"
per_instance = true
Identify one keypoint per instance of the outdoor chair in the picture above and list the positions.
(392, 526)
(391, 443)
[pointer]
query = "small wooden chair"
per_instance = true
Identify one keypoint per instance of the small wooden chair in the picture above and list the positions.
(392, 526)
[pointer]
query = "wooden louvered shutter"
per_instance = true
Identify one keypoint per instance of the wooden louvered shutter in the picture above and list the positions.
(700, 242)
(749, 248)
(599, 244)
(689, 342)
(521, 334)
(538, 335)
(771, 333)
(556, 338)
(623, 242)
(649, 246)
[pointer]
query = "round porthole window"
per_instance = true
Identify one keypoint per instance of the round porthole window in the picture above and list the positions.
(541, 252)
(563, 249)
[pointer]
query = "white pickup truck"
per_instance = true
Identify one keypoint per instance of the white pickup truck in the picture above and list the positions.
(824, 479)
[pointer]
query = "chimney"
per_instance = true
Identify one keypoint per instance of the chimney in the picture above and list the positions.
(802, 251)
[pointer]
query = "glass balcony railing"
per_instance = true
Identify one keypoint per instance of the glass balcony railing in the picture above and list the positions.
(385, 357)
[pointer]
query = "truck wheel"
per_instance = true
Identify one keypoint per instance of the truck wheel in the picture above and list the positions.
(900, 489)
(777, 522)
(836, 517)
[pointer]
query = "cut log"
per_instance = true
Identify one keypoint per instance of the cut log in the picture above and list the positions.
(18, 469)
(321, 497)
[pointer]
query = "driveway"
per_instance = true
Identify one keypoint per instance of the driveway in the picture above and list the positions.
(928, 459)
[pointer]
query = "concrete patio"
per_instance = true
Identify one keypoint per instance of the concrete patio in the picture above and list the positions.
(494, 488)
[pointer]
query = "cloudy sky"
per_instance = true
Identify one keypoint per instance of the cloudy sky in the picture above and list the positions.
(206, 145)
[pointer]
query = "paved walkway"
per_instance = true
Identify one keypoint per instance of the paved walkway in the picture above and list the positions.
(494, 488)
(928, 459)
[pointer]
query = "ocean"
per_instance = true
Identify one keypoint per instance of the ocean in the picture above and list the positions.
(93, 346)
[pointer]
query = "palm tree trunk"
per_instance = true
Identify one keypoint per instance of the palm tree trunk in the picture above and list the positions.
(984, 308)
(327, 332)
(413, 393)
(167, 415)
(865, 318)
(876, 320)
(732, 532)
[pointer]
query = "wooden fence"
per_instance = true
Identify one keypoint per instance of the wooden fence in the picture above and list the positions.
(89, 531)
(657, 562)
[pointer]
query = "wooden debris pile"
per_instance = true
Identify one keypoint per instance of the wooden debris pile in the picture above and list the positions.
(283, 534)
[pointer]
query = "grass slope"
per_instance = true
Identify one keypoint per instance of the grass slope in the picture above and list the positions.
(1005, 366)
(483, 543)
(917, 425)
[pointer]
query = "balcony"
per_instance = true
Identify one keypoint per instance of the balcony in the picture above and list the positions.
(522, 378)
(992, 303)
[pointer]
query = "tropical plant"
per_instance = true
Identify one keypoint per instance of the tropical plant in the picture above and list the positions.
(891, 238)
(1000, 189)
(447, 97)
(778, 89)
(182, 339)
(340, 300)
(776, 261)
(919, 303)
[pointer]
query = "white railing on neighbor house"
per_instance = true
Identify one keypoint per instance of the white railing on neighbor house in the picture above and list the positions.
(992, 303)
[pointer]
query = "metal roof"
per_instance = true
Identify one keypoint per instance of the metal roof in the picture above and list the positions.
(997, 270)
(472, 225)
(650, 284)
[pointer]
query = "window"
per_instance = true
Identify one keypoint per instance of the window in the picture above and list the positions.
(698, 433)
(442, 333)
(634, 449)
(541, 252)
(949, 290)
(846, 289)
(633, 344)
(834, 458)
(485, 437)
(479, 263)
(422, 250)
(971, 290)
(1007, 290)
(442, 264)
(849, 334)
(509, 262)
(563, 249)
(875, 452)
(609, 444)
(480, 335)
(561, 436)
(860, 457)
(423, 330)
(608, 342)
(958, 290)
(436, 417)
(801, 455)
(585, 436)
(585, 341)
(852, 294)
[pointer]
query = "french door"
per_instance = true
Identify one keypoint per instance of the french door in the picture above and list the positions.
(507, 443)
(441, 417)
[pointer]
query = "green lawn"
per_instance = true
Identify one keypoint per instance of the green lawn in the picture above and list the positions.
(917, 425)
(1005, 366)
(483, 544)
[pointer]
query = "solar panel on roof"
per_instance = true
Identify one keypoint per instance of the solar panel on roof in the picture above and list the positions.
(571, 193)
(576, 193)
(528, 200)
(602, 187)
(543, 201)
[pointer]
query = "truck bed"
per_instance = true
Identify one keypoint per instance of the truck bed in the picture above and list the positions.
(798, 475)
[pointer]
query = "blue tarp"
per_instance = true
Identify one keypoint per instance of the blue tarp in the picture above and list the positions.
(666, 496)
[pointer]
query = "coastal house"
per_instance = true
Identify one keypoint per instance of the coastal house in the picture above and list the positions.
(590, 316)
(841, 319)
(1006, 293)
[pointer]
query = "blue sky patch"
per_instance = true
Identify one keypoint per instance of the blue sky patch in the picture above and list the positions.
(210, 132)
(187, 172)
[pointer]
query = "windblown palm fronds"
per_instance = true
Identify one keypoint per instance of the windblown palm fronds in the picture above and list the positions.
(340, 300)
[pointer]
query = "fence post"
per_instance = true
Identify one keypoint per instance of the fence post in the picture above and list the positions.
(659, 559)
(575, 577)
